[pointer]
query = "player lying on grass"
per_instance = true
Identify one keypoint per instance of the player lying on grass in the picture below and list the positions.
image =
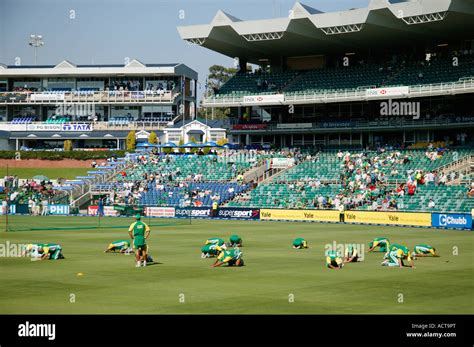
(300, 243)
(424, 251)
(235, 241)
(232, 257)
(351, 255)
(333, 260)
(396, 255)
(122, 246)
(381, 242)
(139, 233)
(42, 251)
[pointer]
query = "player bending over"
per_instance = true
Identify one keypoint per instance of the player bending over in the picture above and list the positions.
(235, 241)
(381, 242)
(210, 250)
(232, 257)
(396, 255)
(139, 233)
(424, 251)
(122, 246)
(351, 255)
(333, 260)
(300, 243)
(215, 241)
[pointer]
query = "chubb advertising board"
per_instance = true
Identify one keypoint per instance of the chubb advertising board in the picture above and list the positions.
(452, 220)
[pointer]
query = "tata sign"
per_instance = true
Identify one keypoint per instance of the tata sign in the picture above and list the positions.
(450, 220)
(387, 92)
(59, 209)
(76, 127)
(239, 213)
(264, 99)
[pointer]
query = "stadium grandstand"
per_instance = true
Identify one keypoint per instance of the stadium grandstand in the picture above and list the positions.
(94, 106)
(308, 128)
(316, 78)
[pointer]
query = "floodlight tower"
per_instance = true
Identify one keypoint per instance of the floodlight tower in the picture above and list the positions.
(36, 41)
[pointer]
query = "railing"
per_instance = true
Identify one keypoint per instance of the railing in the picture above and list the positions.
(463, 86)
(86, 126)
(390, 122)
(96, 97)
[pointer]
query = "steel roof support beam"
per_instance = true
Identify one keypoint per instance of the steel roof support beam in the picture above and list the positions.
(263, 36)
(342, 29)
(425, 18)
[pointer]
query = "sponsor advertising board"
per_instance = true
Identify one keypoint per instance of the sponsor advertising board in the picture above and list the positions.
(395, 218)
(59, 209)
(249, 126)
(264, 99)
(92, 210)
(238, 213)
(451, 220)
(196, 212)
(302, 215)
(386, 92)
(168, 212)
(294, 125)
(282, 163)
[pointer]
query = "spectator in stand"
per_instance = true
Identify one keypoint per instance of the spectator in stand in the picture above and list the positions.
(411, 188)
(431, 204)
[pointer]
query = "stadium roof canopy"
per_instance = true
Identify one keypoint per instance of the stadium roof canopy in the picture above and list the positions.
(66, 68)
(308, 31)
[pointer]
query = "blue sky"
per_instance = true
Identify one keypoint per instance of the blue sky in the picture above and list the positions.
(108, 31)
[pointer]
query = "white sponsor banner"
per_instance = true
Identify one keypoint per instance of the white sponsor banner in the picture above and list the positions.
(386, 92)
(282, 163)
(264, 99)
(44, 127)
(160, 212)
(77, 127)
(294, 125)
(47, 97)
(109, 211)
(69, 127)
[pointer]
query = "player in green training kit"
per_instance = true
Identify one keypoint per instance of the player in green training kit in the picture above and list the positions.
(42, 251)
(139, 232)
(381, 242)
(123, 246)
(333, 260)
(424, 251)
(300, 243)
(235, 241)
(210, 250)
(232, 257)
(351, 254)
(396, 255)
(215, 241)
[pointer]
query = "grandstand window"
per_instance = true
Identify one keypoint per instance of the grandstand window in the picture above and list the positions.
(3, 114)
(174, 138)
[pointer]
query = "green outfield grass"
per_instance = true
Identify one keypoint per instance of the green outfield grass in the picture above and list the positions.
(52, 173)
(273, 271)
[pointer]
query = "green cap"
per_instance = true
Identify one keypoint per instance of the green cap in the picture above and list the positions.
(137, 216)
